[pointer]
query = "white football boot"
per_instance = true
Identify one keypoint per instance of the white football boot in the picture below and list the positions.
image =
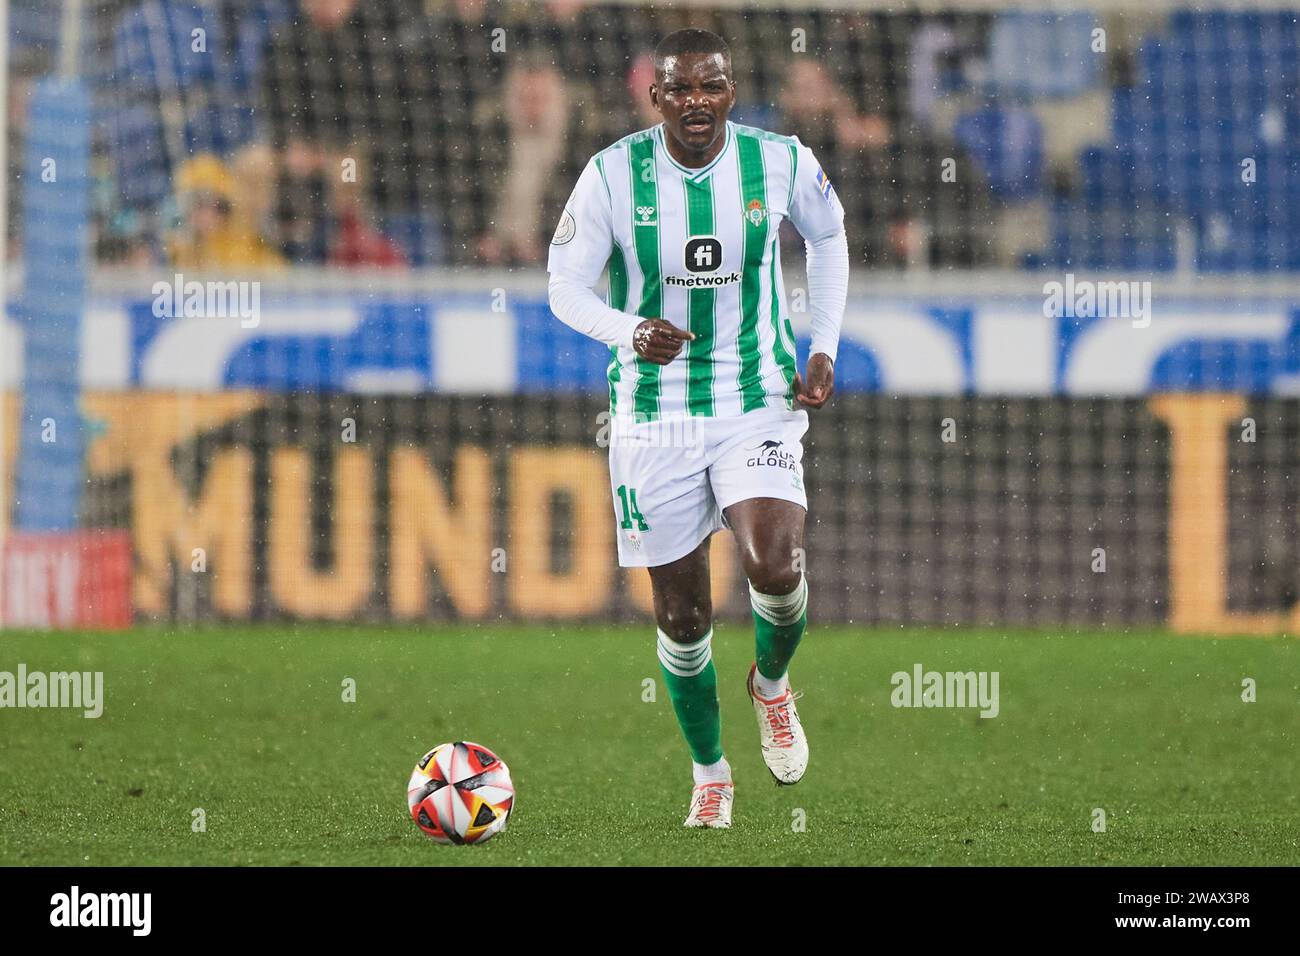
(711, 806)
(785, 747)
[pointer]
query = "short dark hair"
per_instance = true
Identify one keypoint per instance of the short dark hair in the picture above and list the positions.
(691, 40)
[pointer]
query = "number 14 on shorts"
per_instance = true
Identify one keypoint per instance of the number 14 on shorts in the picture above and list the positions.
(630, 511)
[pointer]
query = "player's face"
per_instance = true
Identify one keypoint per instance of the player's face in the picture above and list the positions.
(694, 95)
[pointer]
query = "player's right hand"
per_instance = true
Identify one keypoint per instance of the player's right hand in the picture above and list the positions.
(659, 341)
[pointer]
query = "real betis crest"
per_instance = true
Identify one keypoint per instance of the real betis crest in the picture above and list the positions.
(756, 213)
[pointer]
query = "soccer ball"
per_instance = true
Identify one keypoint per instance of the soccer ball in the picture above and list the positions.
(460, 793)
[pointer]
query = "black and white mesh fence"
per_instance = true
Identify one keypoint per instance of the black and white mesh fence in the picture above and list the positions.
(282, 297)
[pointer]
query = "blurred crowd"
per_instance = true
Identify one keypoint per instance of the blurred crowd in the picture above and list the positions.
(406, 133)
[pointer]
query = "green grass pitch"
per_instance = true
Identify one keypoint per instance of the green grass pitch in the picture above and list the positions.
(249, 725)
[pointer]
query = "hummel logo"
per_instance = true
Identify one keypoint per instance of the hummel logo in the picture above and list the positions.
(646, 214)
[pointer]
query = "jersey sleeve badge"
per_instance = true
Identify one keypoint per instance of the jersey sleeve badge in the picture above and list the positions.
(824, 184)
(565, 230)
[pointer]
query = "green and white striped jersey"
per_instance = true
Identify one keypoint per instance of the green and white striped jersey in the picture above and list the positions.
(699, 248)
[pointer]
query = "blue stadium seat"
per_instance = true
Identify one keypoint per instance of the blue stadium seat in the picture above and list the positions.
(1006, 145)
(155, 64)
(1135, 235)
(1041, 55)
(1215, 89)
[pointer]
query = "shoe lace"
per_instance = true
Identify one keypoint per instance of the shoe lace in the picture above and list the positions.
(709, 802)
(778, 720)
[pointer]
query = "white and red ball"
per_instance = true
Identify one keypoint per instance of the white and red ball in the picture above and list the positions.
(460, 793)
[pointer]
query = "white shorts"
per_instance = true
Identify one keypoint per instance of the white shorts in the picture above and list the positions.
(672, 480)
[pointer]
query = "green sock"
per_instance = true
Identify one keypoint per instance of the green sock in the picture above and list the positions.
(779, 623)
(693, 688)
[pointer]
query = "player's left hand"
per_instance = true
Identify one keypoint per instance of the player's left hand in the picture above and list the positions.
(815, 388)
